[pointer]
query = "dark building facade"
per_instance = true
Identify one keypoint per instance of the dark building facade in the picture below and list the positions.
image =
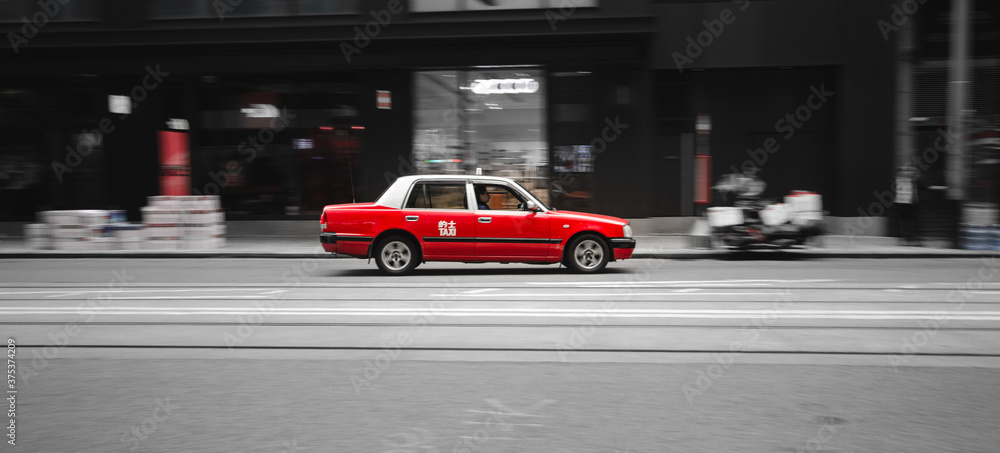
(593, 104)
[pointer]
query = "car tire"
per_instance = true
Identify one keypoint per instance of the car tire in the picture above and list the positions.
(587, 254)
(397, 255)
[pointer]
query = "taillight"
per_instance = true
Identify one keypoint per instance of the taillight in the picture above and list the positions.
(322, 220)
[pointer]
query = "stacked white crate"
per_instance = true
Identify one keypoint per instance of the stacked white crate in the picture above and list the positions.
(169, 223)
(104, 235)
(205, 227)
(216, 222)
(128, 236)
(77, 229)
(184, 222)
(162, 217)
(38, 236)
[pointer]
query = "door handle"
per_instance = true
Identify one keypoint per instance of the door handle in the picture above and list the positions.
(485, 219)
(412, 218)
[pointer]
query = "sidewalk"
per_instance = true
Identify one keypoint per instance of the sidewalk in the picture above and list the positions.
(652, 246)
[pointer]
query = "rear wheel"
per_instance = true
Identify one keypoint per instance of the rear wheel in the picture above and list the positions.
(397, 255)
(587, 254)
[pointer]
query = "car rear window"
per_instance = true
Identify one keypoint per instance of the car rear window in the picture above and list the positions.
(437, 196)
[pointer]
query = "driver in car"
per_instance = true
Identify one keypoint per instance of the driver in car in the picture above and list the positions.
(482, 197)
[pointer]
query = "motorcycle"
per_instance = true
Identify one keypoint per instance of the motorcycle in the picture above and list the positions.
(754, 222)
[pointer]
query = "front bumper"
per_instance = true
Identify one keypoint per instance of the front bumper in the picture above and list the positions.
(622, 243)
(622, 248)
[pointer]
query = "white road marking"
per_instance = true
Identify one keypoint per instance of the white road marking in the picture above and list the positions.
(687, 290)
(497, 438)
(590, 294)
(257, 296)
(123, 290)
(953, 284)
(513, 414)
(477, 291)
(20, 293)
(660, 285)
(506, 424)
(526, 312)
(686, 282)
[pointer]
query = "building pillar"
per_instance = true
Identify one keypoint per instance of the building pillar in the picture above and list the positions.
(905, 135)
(958, 88)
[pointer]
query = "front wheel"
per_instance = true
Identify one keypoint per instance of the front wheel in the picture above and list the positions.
(397, 255)
(587, 254)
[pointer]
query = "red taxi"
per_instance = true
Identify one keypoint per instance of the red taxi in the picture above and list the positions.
(470, 219)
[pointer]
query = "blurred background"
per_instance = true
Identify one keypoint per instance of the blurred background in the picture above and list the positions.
(237, 120)
(630, 108)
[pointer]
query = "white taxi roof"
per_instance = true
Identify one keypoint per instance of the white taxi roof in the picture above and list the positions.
(395, 195)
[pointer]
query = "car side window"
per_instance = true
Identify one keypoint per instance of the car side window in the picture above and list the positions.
(418, 197)
(502, 198)
(438, 196)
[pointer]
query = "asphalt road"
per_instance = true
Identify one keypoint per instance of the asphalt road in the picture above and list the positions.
(654, 355)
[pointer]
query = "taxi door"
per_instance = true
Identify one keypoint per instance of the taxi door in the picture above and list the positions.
(438, 214)
(505, 231)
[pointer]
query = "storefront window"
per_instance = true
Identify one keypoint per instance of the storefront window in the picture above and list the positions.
(40, 119)
(278, 147)
(573, 157)
(492, 118)
(22, 156)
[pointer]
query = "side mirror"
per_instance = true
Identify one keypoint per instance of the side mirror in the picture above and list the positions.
(531, 206)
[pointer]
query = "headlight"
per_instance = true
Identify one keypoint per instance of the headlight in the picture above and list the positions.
(627, 230)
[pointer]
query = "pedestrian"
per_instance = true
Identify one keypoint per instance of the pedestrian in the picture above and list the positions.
(905, 204)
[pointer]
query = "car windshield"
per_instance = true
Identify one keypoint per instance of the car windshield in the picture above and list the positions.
(535, 199)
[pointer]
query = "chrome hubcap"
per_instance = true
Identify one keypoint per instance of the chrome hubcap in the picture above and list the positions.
(589, 254)
(396, 255)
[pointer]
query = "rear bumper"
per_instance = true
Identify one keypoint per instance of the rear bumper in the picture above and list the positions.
(329, 242)
(345, 244)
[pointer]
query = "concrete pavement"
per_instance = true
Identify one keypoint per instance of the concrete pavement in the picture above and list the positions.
(196, 355)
